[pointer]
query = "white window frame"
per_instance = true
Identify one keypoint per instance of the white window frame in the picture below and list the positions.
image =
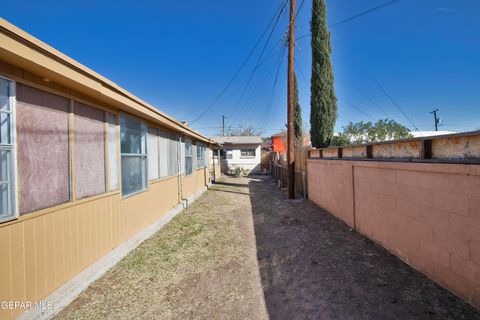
(188, 142)
(248, 157)
(200, 161)
(142, 155)
(157, 142)
(13, 150)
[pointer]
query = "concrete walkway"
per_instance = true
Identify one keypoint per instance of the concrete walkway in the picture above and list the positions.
(243, 252)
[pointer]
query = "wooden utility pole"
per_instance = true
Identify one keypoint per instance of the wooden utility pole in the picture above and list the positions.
(291, 102)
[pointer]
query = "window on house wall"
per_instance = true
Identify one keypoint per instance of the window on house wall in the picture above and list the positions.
(112, 152)
(133, 145)
(43, 148)
(153, 156)
(228, 154)
(188, 156)
(89, 151)
(163, 154)
(194, 154)
(7, 168)
(200, 156)
(182, 155)
(247, 153)
(172, 154)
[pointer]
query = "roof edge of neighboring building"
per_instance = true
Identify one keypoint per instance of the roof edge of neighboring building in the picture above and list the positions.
(33, 55)
(237, 139)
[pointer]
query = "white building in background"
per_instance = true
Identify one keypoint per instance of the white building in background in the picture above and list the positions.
(420, 134)
(242, 152)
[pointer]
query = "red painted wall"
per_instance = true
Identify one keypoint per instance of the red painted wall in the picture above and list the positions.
(426, 214)
(278, 144)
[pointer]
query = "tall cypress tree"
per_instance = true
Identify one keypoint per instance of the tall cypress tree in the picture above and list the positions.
(297, 120)
(323, 103)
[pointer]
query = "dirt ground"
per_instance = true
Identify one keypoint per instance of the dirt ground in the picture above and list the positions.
(201, 265)
(242, 251)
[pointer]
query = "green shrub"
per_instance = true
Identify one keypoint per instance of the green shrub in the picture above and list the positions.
(237, 172)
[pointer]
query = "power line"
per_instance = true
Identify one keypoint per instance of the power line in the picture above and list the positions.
(389, 3)
(348, 102)
(261, 55)
(358, 109)
(234, 112)
(358, 15)
(279, 10)
(269, 107)
(384, 90)
(299, 8)
(245, 111)
(374, 79)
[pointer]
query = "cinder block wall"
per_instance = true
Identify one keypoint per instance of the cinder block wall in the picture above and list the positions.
(426, 214)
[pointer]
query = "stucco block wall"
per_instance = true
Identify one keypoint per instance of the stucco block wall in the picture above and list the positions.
(335, 197)
(426, 214)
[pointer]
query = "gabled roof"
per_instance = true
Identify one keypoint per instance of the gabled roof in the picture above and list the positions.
(238, 139)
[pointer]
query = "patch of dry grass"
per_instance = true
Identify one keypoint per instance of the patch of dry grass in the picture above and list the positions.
(156, 279)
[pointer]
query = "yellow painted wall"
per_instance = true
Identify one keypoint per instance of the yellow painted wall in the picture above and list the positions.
(43, 250)
(192, 183)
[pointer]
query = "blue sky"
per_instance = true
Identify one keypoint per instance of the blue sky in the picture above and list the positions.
(178, 55)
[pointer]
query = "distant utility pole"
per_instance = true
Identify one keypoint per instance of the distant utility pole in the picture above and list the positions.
(436, 119)
(291, 105)
(223, 125)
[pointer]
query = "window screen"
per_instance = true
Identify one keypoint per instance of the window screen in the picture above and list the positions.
(200, 156)
(172, 154)
(163, 154)
(188, 156)
(248, 153)
(152, 151)
(112, 152)
(43, 148)
(133, 147)
(89, 151)
(7, 171)
(194, 155)
(182, 155)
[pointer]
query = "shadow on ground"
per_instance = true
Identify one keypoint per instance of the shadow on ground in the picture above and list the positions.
(313, 266)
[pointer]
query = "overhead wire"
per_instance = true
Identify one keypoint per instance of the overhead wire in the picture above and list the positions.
(373, 78)
(342, 99)
(279, 15)
(266, 121)
(358, 15)
(279, 10)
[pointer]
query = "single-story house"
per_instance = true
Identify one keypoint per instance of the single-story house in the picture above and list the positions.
(242, 152)
(84, 166)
